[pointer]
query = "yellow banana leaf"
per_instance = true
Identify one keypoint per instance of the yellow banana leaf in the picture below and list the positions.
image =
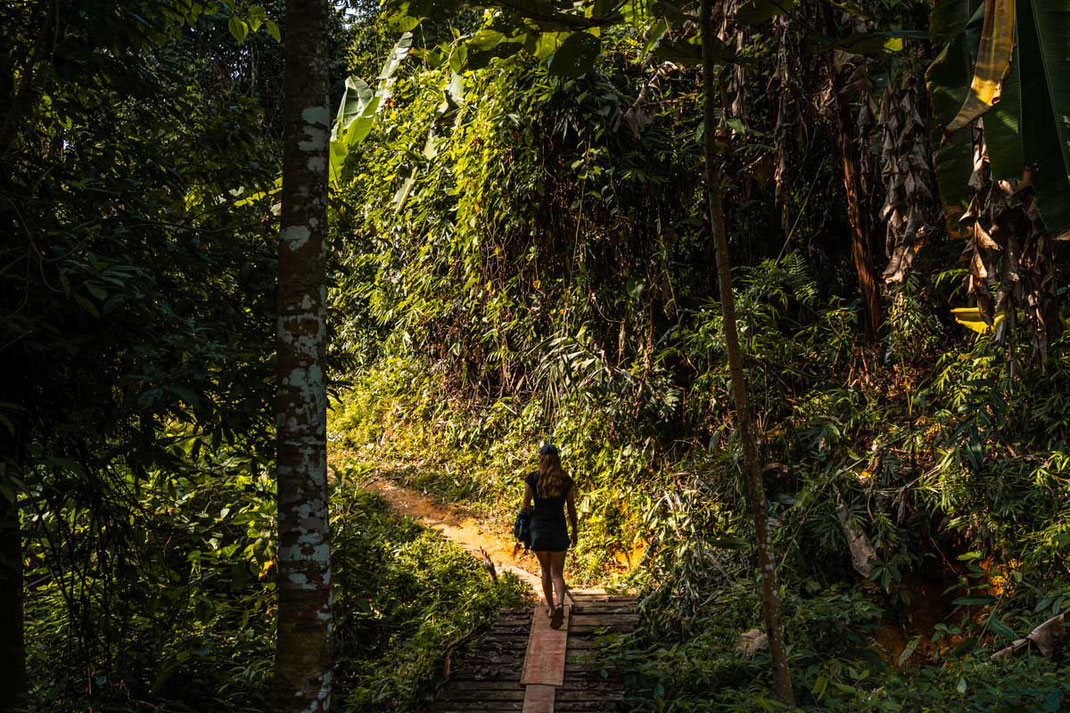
(993, 61)
(971, 317)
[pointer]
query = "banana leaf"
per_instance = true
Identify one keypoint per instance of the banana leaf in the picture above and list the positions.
(1044, 44)
(991, 63)
(947, 80)
(360, 105)
(1025, 132)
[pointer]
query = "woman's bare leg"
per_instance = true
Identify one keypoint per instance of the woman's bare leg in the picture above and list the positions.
(547, 579)
(557, 570)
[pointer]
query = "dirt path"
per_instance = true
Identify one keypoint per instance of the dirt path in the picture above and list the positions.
(471, 534)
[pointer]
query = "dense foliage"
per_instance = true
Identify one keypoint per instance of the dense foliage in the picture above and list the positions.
(527, 260)
(520, 252)
(137, 330)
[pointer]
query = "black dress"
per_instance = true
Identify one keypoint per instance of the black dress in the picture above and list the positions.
(549, 533)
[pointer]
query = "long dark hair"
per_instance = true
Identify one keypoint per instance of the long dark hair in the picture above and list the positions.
(551, 476)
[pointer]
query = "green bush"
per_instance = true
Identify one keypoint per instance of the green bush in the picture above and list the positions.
(405, 597)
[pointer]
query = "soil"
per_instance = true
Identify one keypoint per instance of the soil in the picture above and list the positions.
(477, 537)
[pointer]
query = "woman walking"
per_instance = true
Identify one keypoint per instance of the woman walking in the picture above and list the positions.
(550, 489)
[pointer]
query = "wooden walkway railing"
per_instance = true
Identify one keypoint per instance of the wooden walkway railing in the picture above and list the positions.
(523, 665)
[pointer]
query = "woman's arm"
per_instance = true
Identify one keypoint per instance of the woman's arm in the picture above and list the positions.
(527, 498)
(570, 501)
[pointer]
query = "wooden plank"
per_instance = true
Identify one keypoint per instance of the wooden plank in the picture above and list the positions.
(544, 662)
(594, 594)
(464, 693)
(492, 685)
(589, 627)
(561, 666)
(605, 616)
(539, 699)
(493, 658)
(590, 692)
(469, 706)
(585, 706)
(602, 608)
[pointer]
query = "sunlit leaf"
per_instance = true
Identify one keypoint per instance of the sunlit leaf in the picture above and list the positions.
(238, 28)
(993, 61)
(971, 317)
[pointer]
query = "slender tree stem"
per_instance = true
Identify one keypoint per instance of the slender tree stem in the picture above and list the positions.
(751, 470)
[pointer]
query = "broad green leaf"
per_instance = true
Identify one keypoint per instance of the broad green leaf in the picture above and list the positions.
(576, 56)
(273, 30)
(661, 9)
(455, 89)
(993, 61)
(397, 56)
(403, 18)
(1044, 46)
(680, 51)
(485, 39)
(604, 8)
(653, 37)
(488, 44)
(458, 58)
(1003, 127)
(478, 59)
(360, 105)
(256, 16)
(546, 17)
(947, 80)
(87, 305)
(548, 43)
(238, 28)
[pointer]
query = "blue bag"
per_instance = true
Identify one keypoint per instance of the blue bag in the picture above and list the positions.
(522, 529)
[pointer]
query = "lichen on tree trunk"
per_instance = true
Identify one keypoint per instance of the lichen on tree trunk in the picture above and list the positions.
(303, 664)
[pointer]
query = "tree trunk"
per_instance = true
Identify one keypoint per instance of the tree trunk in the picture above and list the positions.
(303, 661)
(751, 470)
(861, 244)
(12, 648)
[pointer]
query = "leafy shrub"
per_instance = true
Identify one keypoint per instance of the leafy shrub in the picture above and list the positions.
(405, 598)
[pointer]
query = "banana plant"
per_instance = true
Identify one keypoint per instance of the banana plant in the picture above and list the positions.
(1006, 62)
(360, 106)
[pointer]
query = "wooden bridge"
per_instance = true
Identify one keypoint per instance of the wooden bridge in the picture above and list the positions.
(523, 665)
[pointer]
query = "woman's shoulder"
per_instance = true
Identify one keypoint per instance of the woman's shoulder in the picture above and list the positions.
(531, 478)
